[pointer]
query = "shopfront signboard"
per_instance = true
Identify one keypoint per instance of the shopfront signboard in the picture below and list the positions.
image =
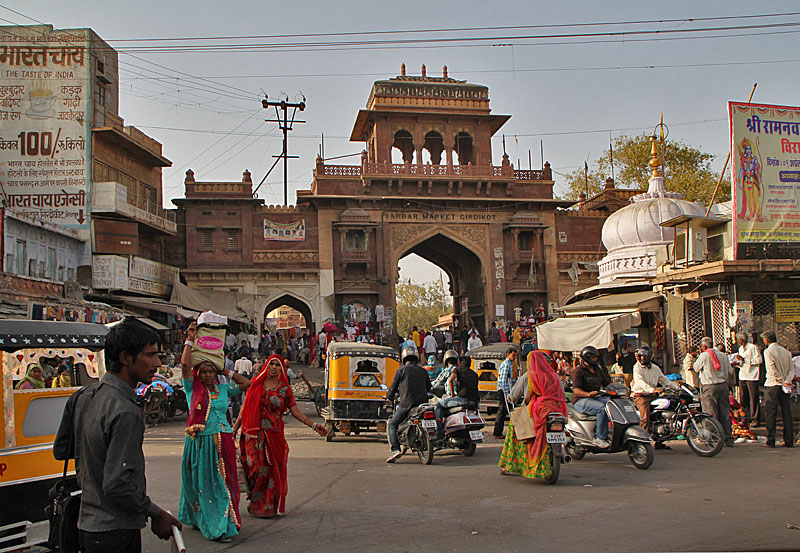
(765, 153)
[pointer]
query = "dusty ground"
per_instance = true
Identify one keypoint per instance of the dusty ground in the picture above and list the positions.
(343, 497)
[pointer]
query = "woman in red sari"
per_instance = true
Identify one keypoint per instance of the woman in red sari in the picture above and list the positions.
(530, 458)
(263, 447)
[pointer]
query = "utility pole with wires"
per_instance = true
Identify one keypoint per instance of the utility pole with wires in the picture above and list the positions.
(285, 124)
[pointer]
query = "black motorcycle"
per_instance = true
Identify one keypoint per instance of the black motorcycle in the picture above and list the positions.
(418, 432)
(677, 412)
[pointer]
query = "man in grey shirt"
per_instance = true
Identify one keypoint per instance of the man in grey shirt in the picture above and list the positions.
(104, 425)
(780, 372)
(714, 369)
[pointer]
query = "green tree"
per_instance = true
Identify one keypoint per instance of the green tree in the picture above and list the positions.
(419, 305)
(686, 168)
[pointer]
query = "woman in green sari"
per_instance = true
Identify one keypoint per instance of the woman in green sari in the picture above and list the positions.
(530, 458)
(33, 379)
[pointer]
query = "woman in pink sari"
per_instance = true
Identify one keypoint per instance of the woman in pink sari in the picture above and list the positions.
(530, 458)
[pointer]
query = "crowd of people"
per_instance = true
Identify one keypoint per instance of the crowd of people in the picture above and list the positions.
(103, 425)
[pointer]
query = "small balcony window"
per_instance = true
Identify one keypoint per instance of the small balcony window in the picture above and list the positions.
(356, 240)
(525, 240)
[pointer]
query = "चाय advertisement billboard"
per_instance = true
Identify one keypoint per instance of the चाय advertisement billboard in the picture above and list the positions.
(765, 149)
(44, 123)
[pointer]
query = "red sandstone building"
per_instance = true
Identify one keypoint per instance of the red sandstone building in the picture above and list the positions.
(509, 247)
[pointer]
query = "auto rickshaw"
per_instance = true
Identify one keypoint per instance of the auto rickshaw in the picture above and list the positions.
(486, 361)
(31, 418)
(357, 376)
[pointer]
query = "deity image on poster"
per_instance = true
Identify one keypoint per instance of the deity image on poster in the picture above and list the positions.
(750, 177)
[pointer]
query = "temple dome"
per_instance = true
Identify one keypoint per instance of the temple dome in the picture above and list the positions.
(634, 233)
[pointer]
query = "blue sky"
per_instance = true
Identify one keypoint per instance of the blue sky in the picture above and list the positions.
(556, 92)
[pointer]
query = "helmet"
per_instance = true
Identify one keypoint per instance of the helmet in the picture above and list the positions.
(448, 355)
(591, 356)
(644, 355)
(407, 353)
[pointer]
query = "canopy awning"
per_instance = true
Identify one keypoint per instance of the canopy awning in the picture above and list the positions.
(574, 333)
(160, 306)
(233, 305)
(628, 302)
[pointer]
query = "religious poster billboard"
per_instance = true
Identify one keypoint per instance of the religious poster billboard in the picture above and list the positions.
(765, 149)
(285, 232)
(45, 123)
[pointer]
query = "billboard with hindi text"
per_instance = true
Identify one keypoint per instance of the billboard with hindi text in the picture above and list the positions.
(765, 153)
(45, 123)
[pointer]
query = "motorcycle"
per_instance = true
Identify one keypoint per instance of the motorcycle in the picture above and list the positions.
(418, 431)
(678, 412)
(462, 429)
(556, 437)
(625, 433)
(152, 400)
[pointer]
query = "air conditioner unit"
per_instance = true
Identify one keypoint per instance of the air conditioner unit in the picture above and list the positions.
(697, 247)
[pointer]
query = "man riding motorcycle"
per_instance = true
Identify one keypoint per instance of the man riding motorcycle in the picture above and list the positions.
(467, 392)
(439, 386)
(648, 383)
(412, 384)
(587, 381)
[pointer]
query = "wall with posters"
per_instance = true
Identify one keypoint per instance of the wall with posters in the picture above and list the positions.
(45, 100)
(765, 148)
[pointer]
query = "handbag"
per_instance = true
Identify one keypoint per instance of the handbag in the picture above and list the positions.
(523, 423)
(63, 510)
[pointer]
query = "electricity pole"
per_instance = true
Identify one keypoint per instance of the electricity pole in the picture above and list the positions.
(285, 125)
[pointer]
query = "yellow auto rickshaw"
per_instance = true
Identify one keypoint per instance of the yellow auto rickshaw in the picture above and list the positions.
(357, 376)
(486, 361)
(31, 418)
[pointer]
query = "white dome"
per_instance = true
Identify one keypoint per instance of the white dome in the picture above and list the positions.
(640, 222)
(634, 233)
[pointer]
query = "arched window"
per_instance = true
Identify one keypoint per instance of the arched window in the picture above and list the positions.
(463, 148)
(404, 142)
(434, 144)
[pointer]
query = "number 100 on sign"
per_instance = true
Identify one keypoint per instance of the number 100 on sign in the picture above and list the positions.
(37, 143)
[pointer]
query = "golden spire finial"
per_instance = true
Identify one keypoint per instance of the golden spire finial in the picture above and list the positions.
(657, 149)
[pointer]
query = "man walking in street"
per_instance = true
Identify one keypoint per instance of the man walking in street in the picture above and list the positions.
(473, 342)
(505, 380)
(103, 429)
(749, 374)
(429, 345)
(494, 334)
(780, 372)
(713, 368)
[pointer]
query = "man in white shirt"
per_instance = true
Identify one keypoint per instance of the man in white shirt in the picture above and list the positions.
(243, 366)
(749, 374)
(713, 367)
(474, 341)
(429, 345)
(780, 372)
(648, 382)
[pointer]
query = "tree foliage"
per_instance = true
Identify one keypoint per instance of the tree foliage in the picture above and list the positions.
(686, 168)
(419, 305)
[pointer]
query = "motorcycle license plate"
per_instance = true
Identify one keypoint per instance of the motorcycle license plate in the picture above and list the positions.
(556, 438)
(475, 435)
(694, 406)
(429, 424)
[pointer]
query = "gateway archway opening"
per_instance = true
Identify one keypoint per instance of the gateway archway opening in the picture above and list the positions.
(462, 279)
(288, 317)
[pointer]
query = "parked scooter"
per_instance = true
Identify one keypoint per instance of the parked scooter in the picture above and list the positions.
(678, 412)
(462, 429)
(624, 433)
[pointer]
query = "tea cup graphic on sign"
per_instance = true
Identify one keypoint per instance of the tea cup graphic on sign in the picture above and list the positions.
(41, 99)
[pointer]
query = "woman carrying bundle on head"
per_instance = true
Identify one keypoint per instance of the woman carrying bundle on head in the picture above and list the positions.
(209, 476)
(263, 447)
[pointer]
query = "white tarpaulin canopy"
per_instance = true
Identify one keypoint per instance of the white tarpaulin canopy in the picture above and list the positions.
(573, 333)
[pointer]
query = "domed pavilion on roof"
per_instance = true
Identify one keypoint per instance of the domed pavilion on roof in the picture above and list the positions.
(634, 233)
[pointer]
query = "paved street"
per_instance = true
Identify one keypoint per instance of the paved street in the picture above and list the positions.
(343, 497)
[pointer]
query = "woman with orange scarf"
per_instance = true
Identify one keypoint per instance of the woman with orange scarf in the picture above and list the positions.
(530, 458)
(209, 479)
(263, 447)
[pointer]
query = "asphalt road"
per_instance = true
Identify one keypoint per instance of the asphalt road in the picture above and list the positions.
(344, 497)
